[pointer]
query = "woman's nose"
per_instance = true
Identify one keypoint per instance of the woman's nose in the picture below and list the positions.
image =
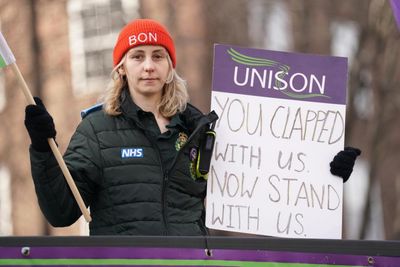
(149, 64)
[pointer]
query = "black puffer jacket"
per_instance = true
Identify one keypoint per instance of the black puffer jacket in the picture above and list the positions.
(127, 196)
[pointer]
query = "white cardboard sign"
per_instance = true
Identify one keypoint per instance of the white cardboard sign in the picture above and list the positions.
(277, 133)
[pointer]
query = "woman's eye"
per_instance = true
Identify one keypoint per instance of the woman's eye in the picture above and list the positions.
(158, 56)
(136, 57)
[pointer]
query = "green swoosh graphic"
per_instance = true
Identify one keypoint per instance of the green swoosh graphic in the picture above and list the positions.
(301, 96)
(259, 62)
(246, 60)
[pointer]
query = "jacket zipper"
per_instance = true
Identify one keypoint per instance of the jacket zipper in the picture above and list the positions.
(164, 202)
(163, 186)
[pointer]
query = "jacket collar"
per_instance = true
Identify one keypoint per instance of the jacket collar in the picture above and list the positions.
(133, 111)
(128, 107)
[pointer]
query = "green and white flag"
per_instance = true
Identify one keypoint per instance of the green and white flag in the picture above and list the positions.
(6, 56)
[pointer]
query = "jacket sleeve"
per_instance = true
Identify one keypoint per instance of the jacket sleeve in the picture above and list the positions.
(82, 159)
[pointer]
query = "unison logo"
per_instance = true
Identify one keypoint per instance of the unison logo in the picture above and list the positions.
(269, 74)
(133, 152)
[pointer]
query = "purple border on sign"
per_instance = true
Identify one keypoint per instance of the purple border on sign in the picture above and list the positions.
(263, 65)
(194, 254)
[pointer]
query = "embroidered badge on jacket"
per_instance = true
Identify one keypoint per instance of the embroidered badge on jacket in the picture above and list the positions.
(193, 158)
(132, 152)
(182, 138)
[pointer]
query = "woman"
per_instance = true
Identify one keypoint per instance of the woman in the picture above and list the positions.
(133, 158)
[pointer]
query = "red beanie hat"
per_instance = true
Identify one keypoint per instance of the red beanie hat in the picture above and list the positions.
(143, 32)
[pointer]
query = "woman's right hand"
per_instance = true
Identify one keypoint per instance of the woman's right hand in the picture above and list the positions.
(40, 125)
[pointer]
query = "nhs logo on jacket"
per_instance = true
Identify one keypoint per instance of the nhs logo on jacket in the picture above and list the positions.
(132, 152)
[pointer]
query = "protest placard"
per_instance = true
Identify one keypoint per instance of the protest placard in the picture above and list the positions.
(282, 120)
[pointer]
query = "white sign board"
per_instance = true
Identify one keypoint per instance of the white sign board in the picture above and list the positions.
(282, 120)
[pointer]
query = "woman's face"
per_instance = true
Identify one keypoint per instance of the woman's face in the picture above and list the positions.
(146, 69)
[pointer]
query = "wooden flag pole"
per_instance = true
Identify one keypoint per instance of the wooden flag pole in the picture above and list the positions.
(54, 148)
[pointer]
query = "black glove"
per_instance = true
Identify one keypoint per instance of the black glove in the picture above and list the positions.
(343, 163)
(40, 125)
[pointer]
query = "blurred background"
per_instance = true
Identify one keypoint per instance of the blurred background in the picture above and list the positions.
(63, 49)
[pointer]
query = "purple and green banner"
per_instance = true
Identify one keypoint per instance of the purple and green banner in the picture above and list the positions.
(195, 251)
(142, 256)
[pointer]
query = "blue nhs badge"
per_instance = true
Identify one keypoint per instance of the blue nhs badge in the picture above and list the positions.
(133, 152)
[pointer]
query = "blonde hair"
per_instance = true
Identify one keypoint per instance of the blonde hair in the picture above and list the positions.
(174, 99)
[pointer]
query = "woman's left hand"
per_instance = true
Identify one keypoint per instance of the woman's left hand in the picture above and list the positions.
(343, 163)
